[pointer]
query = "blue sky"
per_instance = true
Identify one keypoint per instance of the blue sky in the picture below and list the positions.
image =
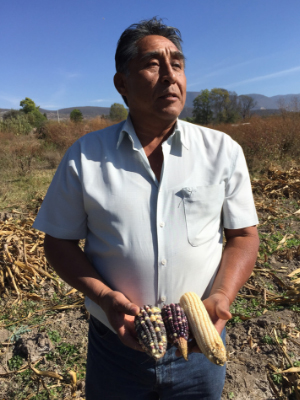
(60, 53)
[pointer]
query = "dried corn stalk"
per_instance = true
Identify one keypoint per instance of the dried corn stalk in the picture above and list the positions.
(23, 265)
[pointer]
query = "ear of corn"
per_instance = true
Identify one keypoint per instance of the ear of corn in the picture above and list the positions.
(205, 333)
(151, 331)
(177, 328)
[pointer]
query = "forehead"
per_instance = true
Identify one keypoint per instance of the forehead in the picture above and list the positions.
(155, 43)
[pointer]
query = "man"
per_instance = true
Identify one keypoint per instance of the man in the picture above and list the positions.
(151, 196)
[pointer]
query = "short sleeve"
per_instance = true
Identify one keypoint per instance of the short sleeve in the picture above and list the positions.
(62, 214)
(238, 208)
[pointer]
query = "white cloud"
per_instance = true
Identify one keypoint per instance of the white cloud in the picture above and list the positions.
(265, 77)
(220, 72)
(14, 101)
(223, 69)
(100, 100)
(71, 75)
(68, 74)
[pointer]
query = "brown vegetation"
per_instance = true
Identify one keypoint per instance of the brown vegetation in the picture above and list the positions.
(28, 162)
(274, 140)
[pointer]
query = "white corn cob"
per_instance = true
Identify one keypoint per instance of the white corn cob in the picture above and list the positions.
(204, 331)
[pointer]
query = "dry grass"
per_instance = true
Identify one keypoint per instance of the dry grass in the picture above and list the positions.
(266, 141)
(274, 140)
(63, 134)
(28, 162)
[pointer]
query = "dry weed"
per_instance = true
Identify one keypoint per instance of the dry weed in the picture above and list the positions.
(275, 139)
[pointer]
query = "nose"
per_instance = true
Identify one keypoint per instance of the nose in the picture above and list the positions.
(167, 73)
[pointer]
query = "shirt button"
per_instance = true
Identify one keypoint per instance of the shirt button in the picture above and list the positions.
(164, 262)
(162, 224)
(163, 298)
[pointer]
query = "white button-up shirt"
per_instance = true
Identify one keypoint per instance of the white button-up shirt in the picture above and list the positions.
(152, 241)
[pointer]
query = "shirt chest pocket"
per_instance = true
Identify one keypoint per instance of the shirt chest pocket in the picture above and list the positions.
(203, 209)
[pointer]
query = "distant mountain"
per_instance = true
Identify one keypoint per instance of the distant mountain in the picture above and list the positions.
(265, 106)
(274, 102)
(87, 112)
(262, 101)
(63, 113)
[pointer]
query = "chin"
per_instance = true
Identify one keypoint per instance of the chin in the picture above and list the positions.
(170, 113)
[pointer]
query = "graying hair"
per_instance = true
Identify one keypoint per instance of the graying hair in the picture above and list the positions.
(127, 48)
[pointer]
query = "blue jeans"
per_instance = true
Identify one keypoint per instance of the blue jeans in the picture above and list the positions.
(115, 371)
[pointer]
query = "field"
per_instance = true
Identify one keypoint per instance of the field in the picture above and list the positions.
(43, 322)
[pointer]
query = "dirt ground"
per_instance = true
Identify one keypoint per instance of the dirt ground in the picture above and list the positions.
(43, 341)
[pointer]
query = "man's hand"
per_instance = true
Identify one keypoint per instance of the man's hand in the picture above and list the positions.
(120, 313)
(73, 266)
(217, 306)
(237, 263)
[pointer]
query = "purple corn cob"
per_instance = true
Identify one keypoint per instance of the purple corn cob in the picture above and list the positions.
(177, 328)
(151, 331)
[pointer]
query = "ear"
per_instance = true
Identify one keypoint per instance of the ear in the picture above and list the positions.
(120, 83)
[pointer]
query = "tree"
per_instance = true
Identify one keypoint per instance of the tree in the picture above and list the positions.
(232, 108)
(217, 105)
(35, 117)
(246, 104)
(117, 112)
(76, 115)
(202, 111)
(220, 102)
(28, 105)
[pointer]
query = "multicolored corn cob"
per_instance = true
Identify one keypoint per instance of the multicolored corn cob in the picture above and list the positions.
(204, 331)
(177, 327)
(151, 331)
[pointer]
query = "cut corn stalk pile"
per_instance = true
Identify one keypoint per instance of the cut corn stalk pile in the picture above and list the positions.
(24, 271)
(22, 262)
(279, 184)
(23, 266)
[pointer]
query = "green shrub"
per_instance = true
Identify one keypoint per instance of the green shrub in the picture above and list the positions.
(76, 115)
(117, 112)
(19, 125)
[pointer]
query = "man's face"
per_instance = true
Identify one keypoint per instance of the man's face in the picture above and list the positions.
(156, 84)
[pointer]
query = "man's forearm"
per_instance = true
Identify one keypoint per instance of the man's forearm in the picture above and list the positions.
(72, 265)
(237, 263)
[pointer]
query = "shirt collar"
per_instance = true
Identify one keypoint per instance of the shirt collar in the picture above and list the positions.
(136, 144)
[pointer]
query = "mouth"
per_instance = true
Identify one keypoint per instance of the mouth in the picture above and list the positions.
(169, 96)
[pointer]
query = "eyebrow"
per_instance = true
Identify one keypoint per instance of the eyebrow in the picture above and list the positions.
(157, 54)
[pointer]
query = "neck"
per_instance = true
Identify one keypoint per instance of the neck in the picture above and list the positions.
(152, 134)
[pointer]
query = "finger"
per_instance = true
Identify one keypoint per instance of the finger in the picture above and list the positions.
(223, 313)
(193, 347)
(129, 341)
(222, 310)
(177, 353)
(132, 309)
(127, 308)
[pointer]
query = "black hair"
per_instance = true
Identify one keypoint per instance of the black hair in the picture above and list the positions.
(127, 48)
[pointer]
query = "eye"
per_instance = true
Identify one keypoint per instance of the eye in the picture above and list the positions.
(177, 65)
(153, 63)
